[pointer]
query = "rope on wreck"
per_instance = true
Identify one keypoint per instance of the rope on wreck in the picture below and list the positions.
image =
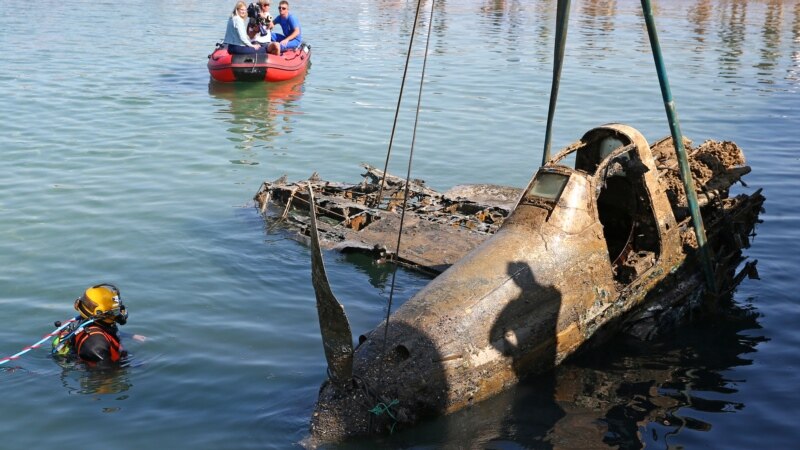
(400, 98)
(381, 408)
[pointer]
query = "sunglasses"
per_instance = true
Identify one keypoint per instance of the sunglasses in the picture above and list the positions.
(282, 7)
(265, 5)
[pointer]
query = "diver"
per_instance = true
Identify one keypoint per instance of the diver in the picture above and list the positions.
(94, 337)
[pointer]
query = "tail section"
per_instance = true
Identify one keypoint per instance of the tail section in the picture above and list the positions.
(336, 335)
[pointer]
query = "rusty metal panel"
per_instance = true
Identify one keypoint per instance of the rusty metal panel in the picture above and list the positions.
(336, 335)
(611, 251)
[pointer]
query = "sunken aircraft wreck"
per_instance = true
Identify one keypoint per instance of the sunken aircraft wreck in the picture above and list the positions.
(599, 242)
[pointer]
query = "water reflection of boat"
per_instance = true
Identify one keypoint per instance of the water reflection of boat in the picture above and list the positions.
(274, 92)
(226, 67)
(255, 107)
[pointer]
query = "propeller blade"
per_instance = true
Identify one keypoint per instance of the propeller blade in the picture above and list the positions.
(336, 335)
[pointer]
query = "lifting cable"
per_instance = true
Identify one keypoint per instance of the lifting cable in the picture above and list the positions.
(378, 199)
(562, 23)
(408, 173)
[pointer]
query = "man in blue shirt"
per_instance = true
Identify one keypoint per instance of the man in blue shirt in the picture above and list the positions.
(290, 26)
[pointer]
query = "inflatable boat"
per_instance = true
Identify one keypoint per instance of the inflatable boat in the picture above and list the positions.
(226, 67)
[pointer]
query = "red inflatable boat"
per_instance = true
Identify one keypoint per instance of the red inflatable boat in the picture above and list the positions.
(226, 67)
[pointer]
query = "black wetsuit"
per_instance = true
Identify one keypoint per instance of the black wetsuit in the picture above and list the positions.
(98, 342)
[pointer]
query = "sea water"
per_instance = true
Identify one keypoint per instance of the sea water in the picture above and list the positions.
(121, 162)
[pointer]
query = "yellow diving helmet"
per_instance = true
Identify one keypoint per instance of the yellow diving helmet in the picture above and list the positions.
(102, 302)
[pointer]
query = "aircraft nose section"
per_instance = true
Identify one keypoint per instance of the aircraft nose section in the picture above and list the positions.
(341, 411)
(393, 385)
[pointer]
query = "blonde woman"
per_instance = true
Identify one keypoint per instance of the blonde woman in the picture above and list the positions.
(236, 34)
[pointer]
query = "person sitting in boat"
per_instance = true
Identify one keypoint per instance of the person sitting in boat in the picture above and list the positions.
(236, 34)
(95, 337)
(290, 27)
(260, 22)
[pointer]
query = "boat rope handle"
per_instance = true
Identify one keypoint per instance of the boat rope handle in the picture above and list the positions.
(38, 344)
(297, 53)
(220, 46)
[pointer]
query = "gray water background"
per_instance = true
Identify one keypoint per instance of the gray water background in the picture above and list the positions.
(122, 163)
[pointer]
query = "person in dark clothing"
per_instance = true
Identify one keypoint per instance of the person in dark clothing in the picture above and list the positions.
(95, 338)
(99, 342)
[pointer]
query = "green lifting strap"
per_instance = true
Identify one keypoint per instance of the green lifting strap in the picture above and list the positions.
(677, 139)
(562, 21)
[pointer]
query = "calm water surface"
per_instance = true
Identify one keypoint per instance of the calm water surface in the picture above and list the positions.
(122, 163)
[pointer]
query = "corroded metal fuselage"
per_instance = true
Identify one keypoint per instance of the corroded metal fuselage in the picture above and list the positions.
(591, 236)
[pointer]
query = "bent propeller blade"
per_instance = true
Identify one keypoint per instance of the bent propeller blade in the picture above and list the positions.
(336, 335)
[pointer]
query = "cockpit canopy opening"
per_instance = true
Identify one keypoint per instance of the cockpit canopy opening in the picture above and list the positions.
(597, 147)
(611, 158)
(587, 154)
